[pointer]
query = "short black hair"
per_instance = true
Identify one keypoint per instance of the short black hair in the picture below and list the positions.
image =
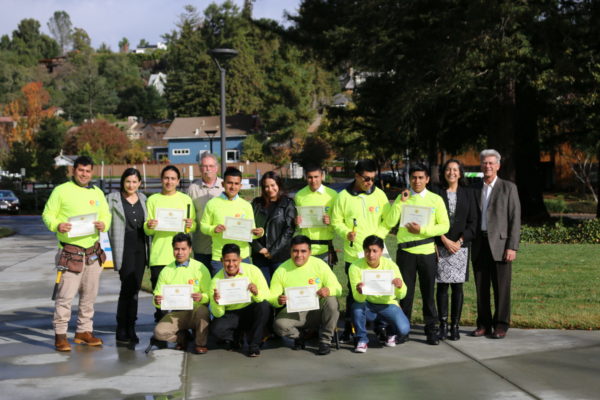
(301, 239)
(127, 173)
(373, 240)
(365, 165)
(170, 168)
(230, 248)
(182, 237)
(83, 160)
(312, 168)
(417, 168)
(232, 171)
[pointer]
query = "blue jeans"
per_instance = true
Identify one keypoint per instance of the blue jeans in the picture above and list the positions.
(216, 266)
(361, 312)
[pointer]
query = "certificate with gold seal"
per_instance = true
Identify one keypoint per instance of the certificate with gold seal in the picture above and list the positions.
(82, 225)
(301, 298)
(312, 216)
(233, 291)
(416, 214)
(170, 220)
(238, 229)
(177, 297)
(378, 282)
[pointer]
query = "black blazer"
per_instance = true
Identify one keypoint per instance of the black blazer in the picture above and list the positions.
(465, 215)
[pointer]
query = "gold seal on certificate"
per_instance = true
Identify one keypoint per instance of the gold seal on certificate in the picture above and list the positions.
(170, 220)
(233, 291)
(177, 297)
(301, 298)
(416, 214)
(378, 282)
(82, 225)
(238, 229)
(312, 216)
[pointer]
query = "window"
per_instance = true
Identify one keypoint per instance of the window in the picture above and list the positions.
(232, 155)
(181, 152)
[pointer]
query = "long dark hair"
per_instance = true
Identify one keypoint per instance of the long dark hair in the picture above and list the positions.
(127, 173)
(278, 181)
(462, 181)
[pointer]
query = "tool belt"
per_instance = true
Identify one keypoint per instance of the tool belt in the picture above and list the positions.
(72, 256)
(414, 243)
(332, 258)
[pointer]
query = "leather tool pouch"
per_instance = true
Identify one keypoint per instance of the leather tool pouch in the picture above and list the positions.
(72, 257)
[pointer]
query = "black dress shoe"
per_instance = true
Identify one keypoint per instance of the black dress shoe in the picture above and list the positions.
(479, 332)
(298, 344)
(324, 349)
(499, 333)
(454, 333)
(160, 344)
(184, 338)
(433, 338)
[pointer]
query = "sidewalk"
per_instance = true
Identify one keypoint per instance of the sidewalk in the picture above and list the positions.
(545, 364)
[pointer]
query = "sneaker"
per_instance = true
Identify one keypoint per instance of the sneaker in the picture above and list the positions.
(254, 351)
(361, 347)
(391, 341)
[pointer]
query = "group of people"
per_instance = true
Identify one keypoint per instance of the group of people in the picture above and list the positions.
(284, 252)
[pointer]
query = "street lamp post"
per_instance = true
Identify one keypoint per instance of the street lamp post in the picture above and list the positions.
(220, 56)
(211, 135)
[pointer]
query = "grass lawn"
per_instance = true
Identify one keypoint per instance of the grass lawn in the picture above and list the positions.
(554, 286)
(4, 232)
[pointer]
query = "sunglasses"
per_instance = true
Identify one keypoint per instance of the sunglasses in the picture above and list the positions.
(367, 178)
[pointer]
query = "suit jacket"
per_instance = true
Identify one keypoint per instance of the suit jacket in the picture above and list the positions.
(503, 219)
(465, 215)
(116, 233)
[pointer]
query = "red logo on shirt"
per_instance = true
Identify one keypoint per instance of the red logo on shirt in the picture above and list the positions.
(92, 202)
(238, 215)
(311, 281)
(190, 281)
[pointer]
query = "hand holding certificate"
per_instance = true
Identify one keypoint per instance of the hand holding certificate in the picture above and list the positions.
(415, 214)
(238, 229)
(177, 297)
(301, 298)
(312, 217)
(233, 291)
(170, 220)
(378, 282)
(82, 225)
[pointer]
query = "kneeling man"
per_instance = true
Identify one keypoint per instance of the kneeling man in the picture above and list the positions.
(299, 271)
(370, 306)
(250, 316)
(175, 326)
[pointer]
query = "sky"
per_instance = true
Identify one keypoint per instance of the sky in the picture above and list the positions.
(108, 21)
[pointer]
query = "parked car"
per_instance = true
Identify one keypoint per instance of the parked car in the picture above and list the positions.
(9, 201)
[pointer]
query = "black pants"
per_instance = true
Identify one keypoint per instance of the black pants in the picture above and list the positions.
(499, 274)
(426, 266)
(154, 273)
(456, 301)
(252, 319)
(131, 275)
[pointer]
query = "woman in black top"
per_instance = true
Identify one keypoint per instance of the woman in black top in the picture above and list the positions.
(276, 213)
(130, 250)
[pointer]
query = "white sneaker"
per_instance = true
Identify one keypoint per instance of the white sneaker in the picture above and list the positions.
(361, 347)
(391, 341)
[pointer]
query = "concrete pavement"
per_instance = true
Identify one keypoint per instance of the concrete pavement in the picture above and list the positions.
(545, 364)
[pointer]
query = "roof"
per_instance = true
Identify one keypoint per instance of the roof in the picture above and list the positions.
(196, 127)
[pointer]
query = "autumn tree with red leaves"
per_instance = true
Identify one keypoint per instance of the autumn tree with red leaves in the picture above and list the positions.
(99, 140)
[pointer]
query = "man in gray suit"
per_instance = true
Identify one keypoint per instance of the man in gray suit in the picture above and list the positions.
(495, 246)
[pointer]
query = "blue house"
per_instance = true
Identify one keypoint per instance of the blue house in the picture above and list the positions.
(188, 138)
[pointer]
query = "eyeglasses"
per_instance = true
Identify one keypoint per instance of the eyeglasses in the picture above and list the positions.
(367, 178)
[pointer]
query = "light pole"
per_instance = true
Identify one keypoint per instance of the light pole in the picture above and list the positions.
(220, 56)
(211, 135)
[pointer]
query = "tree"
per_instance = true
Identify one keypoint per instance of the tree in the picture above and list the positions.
(144, 102)
(124, 45)
(81, 40)
(30, 45)
(100, 140)
(61, 29)
(143, 44)
(48, 144)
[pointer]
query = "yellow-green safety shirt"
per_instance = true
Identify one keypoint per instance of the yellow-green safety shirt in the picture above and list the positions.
(355, 276)
(195, 274)
(324, 197)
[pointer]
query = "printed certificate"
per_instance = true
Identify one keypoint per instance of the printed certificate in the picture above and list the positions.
(177, 297)
(312, 217)
(301, 298)
(238, 229)
(233, 291)
(378, 282)
(170, 220)
(82, 225)
(417, 214)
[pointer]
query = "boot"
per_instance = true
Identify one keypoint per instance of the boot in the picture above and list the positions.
(61, 343)
(442, 305)
(454, 333)
(432, 336)
(443, 332)
(456, 310)
(87, 338)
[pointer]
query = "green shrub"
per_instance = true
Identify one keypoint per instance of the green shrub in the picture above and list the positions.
(583, 207)
(585, 232)
(557, 205)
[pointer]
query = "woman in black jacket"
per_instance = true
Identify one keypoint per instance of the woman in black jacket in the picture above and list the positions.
(276, 213)
(452, 247)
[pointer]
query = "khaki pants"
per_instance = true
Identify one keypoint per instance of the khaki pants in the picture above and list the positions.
(171, 323)
(326, 318)
(84, 283)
